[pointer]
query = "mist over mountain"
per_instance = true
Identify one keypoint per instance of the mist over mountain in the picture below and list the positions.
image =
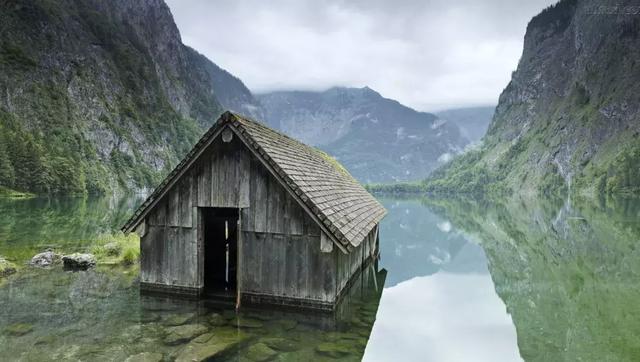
(473, 121)
(376, 138)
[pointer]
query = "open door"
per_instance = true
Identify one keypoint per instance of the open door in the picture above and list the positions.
(220, 250)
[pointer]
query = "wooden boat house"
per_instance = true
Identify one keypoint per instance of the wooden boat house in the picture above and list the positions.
(254, 215)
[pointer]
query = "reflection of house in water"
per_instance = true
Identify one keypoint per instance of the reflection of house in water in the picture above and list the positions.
(417, 244)
(205, 329)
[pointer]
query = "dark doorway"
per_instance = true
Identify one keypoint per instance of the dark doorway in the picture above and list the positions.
(220, 250)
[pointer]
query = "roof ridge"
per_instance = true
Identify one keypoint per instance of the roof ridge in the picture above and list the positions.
(307, 171)
(304, 194)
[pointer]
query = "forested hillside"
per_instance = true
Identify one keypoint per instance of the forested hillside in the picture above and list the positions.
(98, 96)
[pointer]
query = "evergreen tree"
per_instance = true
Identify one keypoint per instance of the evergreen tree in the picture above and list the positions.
(7, 174)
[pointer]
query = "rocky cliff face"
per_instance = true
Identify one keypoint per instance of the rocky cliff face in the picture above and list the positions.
(569, 117)
(100, 95)
(377, 139)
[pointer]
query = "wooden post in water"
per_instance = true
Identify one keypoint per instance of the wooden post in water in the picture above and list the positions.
(238, 260)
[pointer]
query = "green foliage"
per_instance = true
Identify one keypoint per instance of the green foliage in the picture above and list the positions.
(7, 171)
(397, 188)
(464, 175)
(13, 194)
(117, 249)
(37, 163)
(582, 279)
(130, 256)
(48, 145)
(14, 56)
(552, 183)
(616, 170)
(623, 175)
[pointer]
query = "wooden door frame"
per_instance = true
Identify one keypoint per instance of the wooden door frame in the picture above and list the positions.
(202, 247)
(238, 259)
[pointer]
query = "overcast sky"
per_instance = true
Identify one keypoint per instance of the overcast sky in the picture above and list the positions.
(429, 55)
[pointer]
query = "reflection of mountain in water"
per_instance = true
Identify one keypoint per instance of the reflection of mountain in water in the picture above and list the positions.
(29, 226)
(569, 274)
(416, 242)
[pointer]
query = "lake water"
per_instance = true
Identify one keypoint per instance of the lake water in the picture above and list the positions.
(457, 281)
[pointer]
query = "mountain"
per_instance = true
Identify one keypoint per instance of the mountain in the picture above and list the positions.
(568, 120)
(472, 121)
(377, 139)
(99, 96)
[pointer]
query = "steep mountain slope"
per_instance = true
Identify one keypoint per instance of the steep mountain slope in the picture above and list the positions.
(377, 139)
(100, 95)
(569, 117)
(473, 121)
(229, 90)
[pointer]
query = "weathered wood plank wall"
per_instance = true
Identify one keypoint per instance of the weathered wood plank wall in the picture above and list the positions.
(171, 251)
(287, 266)
(281, 245)
(281, 252)
(167, 256)
(348, 264)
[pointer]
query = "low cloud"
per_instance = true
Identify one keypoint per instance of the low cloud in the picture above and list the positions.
(429, 55)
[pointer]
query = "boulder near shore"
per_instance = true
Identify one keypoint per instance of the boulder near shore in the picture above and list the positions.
(79, 261)
(44, 259)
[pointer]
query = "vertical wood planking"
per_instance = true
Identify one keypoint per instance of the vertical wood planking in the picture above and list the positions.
(204, 184)
(173, 206)
(215, 184)
(160, 213)
(296, 217)
(186, 209)
(244, 171)
(291, 275)
(273, 218)
(259, 195)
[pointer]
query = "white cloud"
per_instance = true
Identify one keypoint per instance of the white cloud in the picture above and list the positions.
(426, 54)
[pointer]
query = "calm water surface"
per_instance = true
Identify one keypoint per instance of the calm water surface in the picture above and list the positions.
(457, 281)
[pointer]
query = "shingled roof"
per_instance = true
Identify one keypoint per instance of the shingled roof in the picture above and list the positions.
(335, 199)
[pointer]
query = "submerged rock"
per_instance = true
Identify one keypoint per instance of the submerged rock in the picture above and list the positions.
(287, 324)
(145, 317)
(216, 320)
(6, 267)
(334, 349)
(45, 259)
(185, 333)
(260, 352)
(178, 319)
(211, 345)
(145, 357)
(79, 261)
(281, 344)
(247, 323)
(18, 329)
